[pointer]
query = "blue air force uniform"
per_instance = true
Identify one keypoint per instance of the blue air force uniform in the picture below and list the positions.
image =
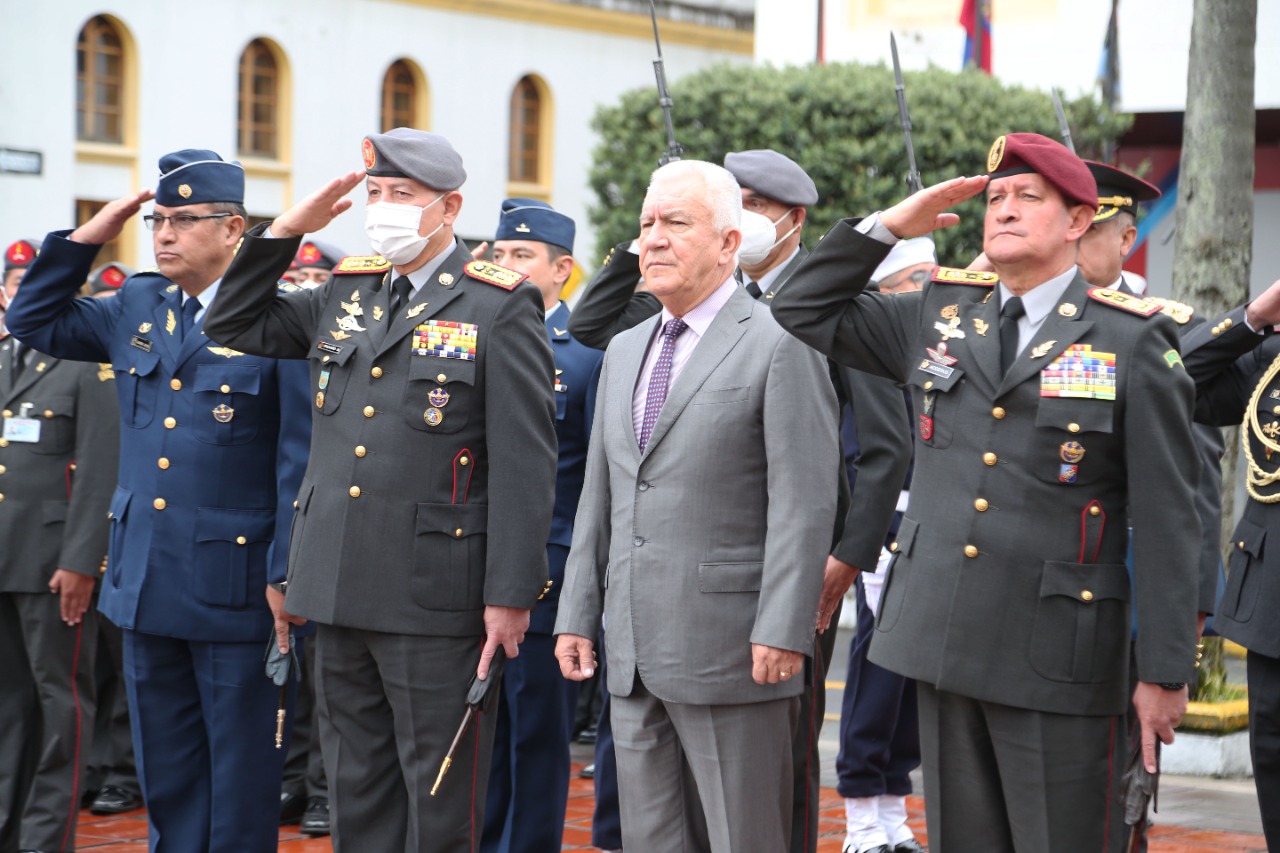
(213, 447)
(529, 775)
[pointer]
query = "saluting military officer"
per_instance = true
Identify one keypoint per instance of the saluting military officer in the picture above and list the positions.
(423, 520)
(1236, 365)
(1044, 408)
(58, 458)
(213, 447)
(529, 779)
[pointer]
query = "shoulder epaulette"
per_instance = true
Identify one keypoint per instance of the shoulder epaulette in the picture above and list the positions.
(977, 278)
(1181, 312)
(1123, 301)
(363, 264)
(286, 286)
(494, 274)
(105, 372)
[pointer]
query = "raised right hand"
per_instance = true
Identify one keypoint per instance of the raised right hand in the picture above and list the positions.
(919, 214)
(317, 210)
(107, 223)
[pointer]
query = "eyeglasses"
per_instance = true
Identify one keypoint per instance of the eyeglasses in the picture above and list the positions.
(179, 221)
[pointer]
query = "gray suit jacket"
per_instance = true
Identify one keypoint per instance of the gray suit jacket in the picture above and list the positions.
(715, 537)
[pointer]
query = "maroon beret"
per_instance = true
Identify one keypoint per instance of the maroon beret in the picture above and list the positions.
(1118, 190)
(1022, 153)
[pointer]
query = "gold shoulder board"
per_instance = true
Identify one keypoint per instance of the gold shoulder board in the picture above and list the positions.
(1123, 301)
(363, 264)
(951, 275)
(1179, 311)
(494, 274)
(105, 372)
(286, 286)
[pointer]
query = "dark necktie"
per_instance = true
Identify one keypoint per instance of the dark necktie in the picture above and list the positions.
(1010, 312)
(19, 359)
(403, 289)
(660, 379)
(189, 309)
(753, 289)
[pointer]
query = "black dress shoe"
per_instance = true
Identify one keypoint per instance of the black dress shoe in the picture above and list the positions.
(587, 735)
(909, 846)
(879, 848)
(316, 820)
(588, 772)
(292, 807)
(113, 800)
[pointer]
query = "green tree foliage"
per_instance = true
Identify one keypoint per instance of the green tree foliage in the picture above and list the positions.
(840, 122)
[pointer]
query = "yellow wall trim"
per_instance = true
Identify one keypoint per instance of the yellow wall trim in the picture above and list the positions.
(1216, 716)
(600, 21)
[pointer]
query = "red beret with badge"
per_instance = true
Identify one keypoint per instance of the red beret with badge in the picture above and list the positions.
(21, 254)
(1025, 153)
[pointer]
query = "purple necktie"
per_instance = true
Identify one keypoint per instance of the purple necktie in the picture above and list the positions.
(660, 379)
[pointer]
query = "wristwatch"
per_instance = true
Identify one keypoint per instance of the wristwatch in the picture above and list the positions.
(279, 587)
(1167, 685)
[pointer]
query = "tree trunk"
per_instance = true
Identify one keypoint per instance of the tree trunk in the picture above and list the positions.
(1214, 238)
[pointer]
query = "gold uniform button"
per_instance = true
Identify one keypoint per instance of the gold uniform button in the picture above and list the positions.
(981, 505)
(1216, 331)
(48, 413)
(458, 533)
(325, 359)
(1095, 510)
(463, 461)
(1073, 427)
(990, 458)
(4, 442)
(970, 551)
(998, 413)
(3, 469)
(893, 546)
(1240, 544)
(132, 370)
(1086, 595)
(354, 491)
(240, 540)
(175, 383)
(1276, 410)
(928, 385)
(441, 378)
(225, 389)
(170, 423)
(360, 451)
(295, 504)
(163, 463)
(1226, 324)
(368, 411)
(1, 499)
(159, 503)
(8, 413)
(376, 373)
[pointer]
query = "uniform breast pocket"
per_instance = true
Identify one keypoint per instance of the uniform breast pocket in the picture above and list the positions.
(330, 373)
(449, 551)
(231, 556)
(57, 416)
(440, 393)
(1082, 622)
(137, 387)
(227, 403)
(1075, 437)
(896, 575)
(935, 399)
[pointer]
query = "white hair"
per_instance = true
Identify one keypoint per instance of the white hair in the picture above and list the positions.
(723, 195)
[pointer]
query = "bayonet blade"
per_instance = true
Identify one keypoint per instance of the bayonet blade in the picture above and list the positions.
(914, 183)
(1063, 127)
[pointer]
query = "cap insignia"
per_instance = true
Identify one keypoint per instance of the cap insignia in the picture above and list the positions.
(996, 154)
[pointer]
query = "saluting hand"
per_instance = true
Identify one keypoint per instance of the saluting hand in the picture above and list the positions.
(1264, 311)
(76, 590)
(576, 656)
(107, 223)
(925, 211)
(318, 209)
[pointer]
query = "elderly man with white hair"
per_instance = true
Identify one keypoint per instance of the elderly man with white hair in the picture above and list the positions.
(713, 426)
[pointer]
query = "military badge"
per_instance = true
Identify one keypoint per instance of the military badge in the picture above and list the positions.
(141, 343)
(355, 295)
(981, 326)
(446, 339)
(1080, 372)
(1172, 358)
(560, 333)
(184, 190)
(225, 352)
(950, 329)
(1041, 350)
(319, 399)
(996, 154)
(433, 416)
(173, 288)
(143, 328)
(493, 274)
(353, 309)
(338, 334)
(1066, 309)
(415, 310)
(349, 324)
(938, 355)
(223, 413)
(926, 427)
(170, 322)
(446, 279)
(325, 346)
(1068, 473)
(1071, 451)
(1272, 430)
(950, 312)
(377, 312)
(438, 398)
(324, 377)
(369, 153)
(560, 386)
(40, 367)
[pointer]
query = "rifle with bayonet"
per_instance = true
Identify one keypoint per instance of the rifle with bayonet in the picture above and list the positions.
(674, 149)
(904, 118)
(1063, 127)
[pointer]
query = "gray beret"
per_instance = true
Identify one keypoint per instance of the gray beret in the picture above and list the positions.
(428, 158)
(772, 175)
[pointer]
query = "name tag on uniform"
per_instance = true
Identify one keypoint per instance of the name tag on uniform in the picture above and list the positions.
(22, 430)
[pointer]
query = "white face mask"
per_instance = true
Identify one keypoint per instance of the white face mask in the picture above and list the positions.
(759, 237)
(393, 230)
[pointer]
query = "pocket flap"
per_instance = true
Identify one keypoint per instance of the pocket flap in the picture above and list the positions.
(53, 407)
(730, 577)
(119, 504)
(429, 368)
(1248, 538)
(54, 511)
(214, 524)
(926, 381)
(236, 379)
(1085, 582)
(721, 395)
(901, 543)
(1064, 412)
(137, 363)
(329, 351)
(453, 520)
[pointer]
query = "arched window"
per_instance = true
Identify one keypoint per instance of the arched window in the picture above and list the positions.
(259, 102)
(526, 133)
(100, 83)
(400, 97)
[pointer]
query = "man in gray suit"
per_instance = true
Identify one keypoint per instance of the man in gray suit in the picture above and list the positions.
(712, 427)
(1045, 409)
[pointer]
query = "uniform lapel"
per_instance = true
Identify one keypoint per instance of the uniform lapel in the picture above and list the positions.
(39, 366)
(428, 301)
(980, 322)
(722, 335)
(558, 324)
(1061, 329)
(801, 254)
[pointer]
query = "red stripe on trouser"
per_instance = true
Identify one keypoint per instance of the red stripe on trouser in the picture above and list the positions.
(75, 777)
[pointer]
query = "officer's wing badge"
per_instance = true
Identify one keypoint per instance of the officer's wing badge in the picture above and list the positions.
(225, 352)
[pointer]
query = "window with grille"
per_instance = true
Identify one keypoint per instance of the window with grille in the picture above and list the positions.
(258, 132)
(99, 83)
